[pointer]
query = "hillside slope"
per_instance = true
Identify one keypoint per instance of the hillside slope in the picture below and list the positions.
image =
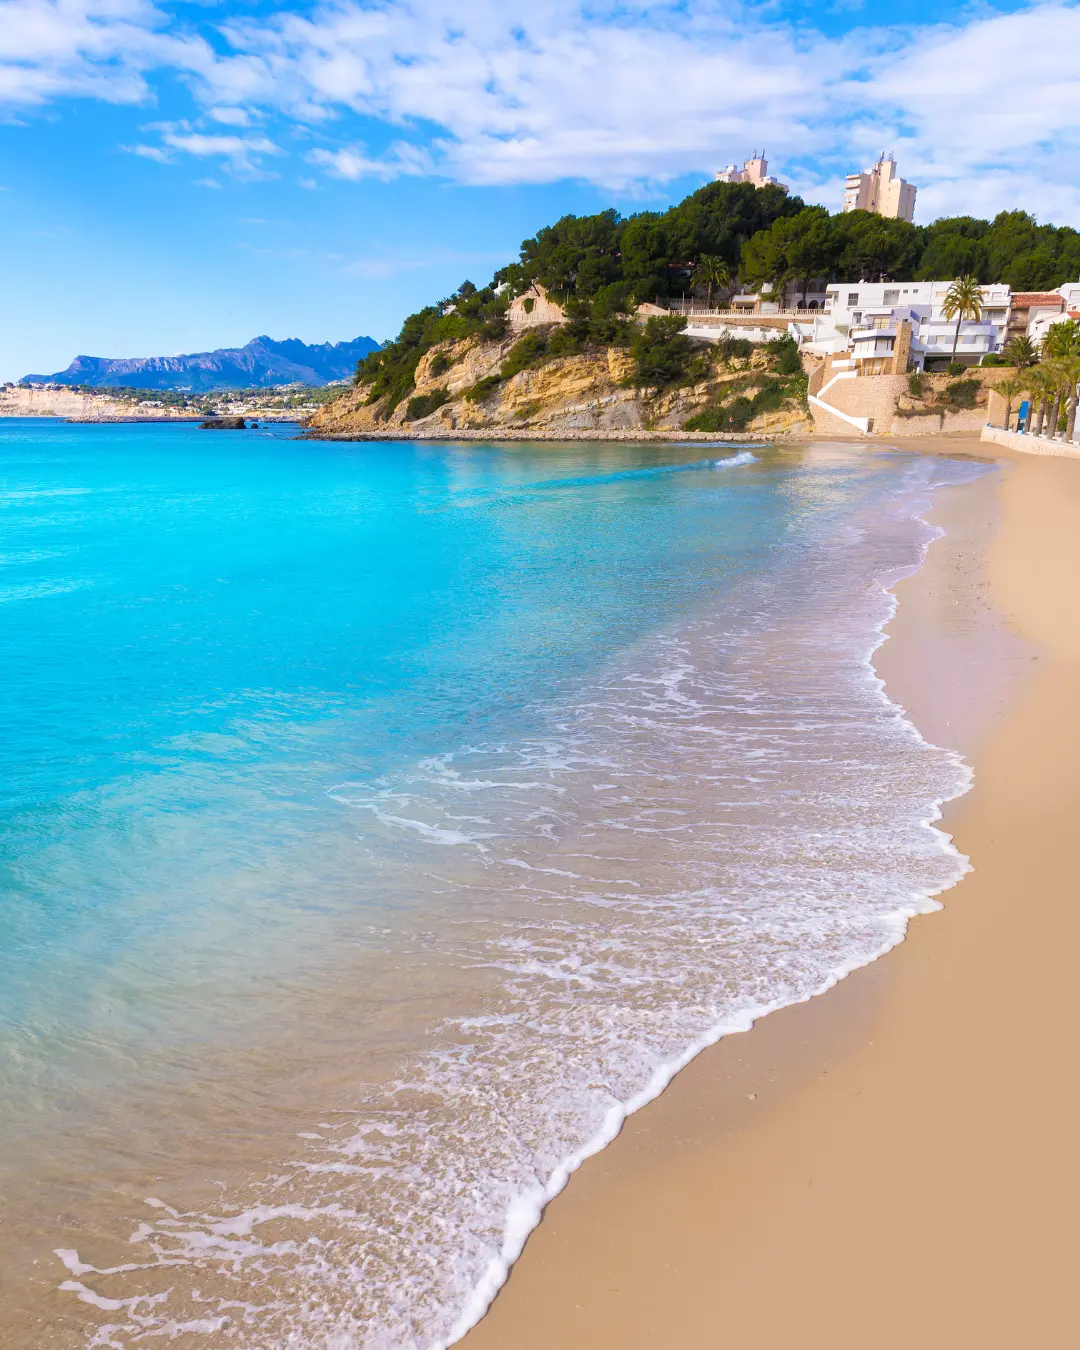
(585, 394)
(261, 363)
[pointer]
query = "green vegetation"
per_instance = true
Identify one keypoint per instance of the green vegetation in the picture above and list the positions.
(859, 246)
(784, 382)
(784, 355)
(961, 394)
(1020, 352)
(739, 412)
(529, 350)
(1062, 340)
(963, 300)
(482, 388)
(425, 404)
(1010, 389)
(664, 355)
(601, 267)
(652, 254)
(391, 371)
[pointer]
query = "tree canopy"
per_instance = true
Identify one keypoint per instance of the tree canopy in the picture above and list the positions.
(601, 267)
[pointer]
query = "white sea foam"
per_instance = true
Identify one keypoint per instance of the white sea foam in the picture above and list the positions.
(729, 821)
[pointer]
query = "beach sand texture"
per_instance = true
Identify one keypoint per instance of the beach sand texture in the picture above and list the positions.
(893, 1164)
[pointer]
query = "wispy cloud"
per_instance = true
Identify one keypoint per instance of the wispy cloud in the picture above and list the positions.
(354, 163)
(504, 91)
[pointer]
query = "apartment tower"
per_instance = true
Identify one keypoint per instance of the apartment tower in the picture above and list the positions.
(881, 191)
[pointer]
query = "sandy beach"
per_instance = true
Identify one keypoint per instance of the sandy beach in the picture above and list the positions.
(894, 1163)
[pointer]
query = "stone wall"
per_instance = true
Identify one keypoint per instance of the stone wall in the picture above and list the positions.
(885, 401)
(1031, 445)
(533, 310)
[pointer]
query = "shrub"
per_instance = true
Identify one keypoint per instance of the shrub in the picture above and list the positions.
(567, 341)
(529, 350)
(769, 397)
(662, 352)
(993, 359)
(732, 416)
(954, 368)
(440, 364)
(732, 348)
(528, 304)
(423, 405)
(961, 393)
(784, 355)
(916, 384)
(482, 388)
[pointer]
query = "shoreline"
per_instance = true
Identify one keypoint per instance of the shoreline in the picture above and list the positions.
(629, 1255)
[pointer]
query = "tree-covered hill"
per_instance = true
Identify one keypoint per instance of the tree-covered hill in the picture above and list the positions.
(601, 267)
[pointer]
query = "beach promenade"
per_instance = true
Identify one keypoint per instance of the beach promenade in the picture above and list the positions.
(892, 1164)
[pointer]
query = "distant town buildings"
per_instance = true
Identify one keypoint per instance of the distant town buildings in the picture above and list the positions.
(881, 191)
(754, 170)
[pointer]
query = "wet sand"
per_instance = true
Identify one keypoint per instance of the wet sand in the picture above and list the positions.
(893, 1164)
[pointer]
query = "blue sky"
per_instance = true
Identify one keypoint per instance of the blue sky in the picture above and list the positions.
(181, 176)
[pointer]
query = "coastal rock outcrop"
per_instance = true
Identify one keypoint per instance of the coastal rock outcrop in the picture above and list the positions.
(224, 424)
(459, 391)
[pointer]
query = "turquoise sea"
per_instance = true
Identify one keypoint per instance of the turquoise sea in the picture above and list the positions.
(382, 822)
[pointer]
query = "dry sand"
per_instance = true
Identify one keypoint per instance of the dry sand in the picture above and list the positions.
(894, 1164)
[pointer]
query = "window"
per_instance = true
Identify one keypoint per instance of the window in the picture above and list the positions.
(853, 298)
(891, 298)
(856, 318)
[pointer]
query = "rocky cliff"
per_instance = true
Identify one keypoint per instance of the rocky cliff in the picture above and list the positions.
(459, 392)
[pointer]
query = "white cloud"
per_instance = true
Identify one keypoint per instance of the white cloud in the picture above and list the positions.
(240, 155)
(983, 113)
(91, 48)
(154, 152)
(354, 163)
(231, 117)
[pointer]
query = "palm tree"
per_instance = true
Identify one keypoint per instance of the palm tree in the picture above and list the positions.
(1059, 378)
(1043, 386)
(1021, 352)
(713, 273)
(1062, 339)
(1010, 388)
(963, 300)
(1071, 370)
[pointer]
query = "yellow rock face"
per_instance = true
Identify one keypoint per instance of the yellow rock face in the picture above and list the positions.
(572, 395)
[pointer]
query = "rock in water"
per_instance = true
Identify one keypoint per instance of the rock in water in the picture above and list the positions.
(223, 424)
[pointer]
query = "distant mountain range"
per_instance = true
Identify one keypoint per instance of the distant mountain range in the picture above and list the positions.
(260, 364)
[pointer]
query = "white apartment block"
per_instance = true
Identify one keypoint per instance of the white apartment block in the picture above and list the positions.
(864, 320)
(754, 170)
(880, 190)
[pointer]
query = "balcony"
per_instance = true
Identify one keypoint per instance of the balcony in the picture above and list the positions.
(876, 328)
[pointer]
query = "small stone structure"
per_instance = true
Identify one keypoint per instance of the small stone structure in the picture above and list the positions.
(533, 310)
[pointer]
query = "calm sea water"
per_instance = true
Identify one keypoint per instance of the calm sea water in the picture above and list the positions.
(380, 823)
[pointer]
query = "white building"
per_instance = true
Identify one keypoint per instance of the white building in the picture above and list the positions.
(865, 317)
(1041, 320)
(754, 170)
(880, 190)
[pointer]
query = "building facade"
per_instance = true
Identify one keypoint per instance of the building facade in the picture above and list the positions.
(866, 318)
(881, 191)
(755, 170)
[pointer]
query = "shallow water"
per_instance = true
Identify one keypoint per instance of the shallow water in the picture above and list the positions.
(381, 822)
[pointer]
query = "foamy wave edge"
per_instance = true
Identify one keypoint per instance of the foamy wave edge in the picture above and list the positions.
(527, 1210)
